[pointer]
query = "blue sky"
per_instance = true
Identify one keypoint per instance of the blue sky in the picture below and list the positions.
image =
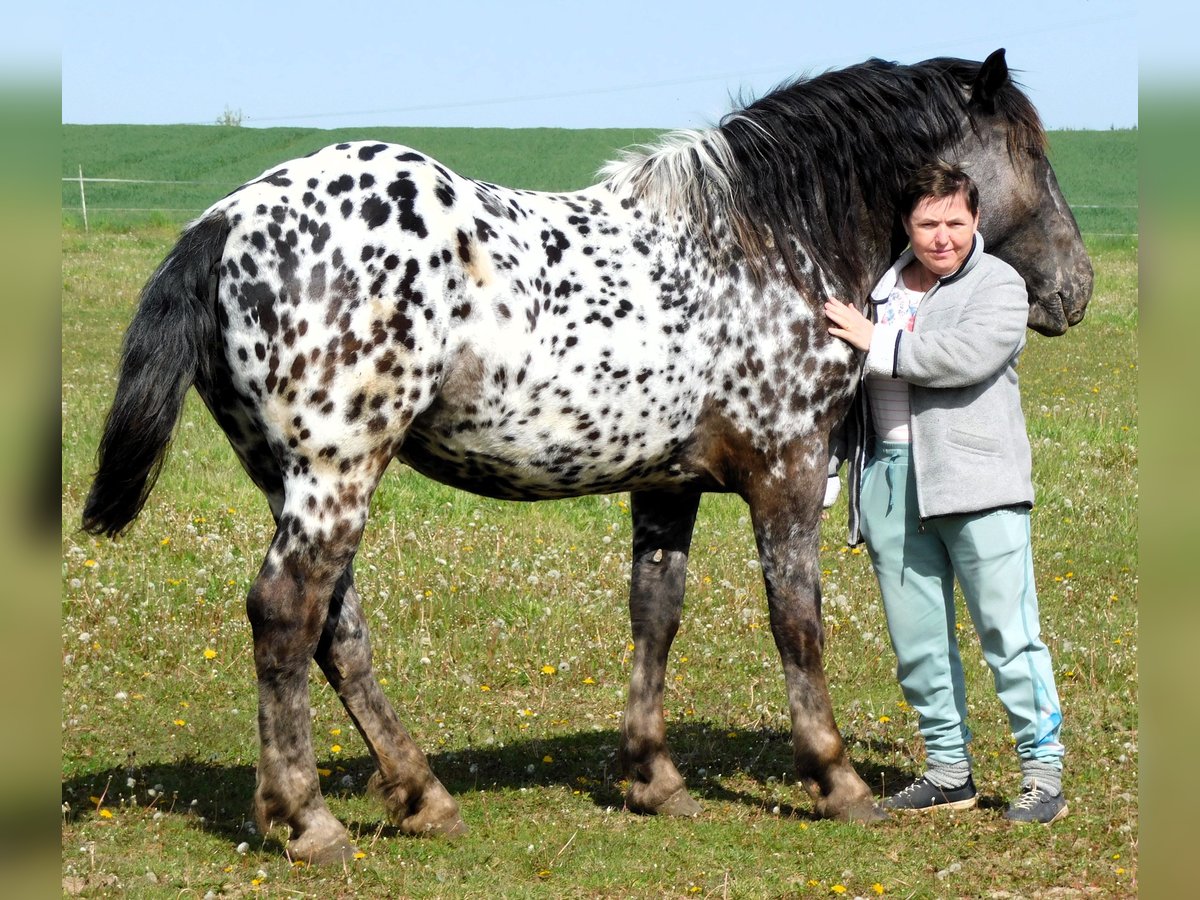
(620, 63)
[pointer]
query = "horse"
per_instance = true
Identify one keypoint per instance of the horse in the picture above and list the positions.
(658, 332)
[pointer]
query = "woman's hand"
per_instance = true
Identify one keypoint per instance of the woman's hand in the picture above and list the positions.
(849, 324)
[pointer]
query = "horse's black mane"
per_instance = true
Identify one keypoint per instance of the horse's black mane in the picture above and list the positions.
(816, 156)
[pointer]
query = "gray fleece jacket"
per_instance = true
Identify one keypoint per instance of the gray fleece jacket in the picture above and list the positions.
(970, 449)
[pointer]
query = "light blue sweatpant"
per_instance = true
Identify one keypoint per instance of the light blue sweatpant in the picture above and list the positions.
(916, 563)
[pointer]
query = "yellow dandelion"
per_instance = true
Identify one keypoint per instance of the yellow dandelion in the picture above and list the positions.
(230, 510)
(90, 563)
(485, 687)
(324, 773)
(383, 681)
(548, 670)
(336, 748)
(335, 731)
(106, 814)
(812, 882)
(547, 759)
(877, 888)
(885, 719)
(164, 542)
(544, 873)
(210, 653)
(360, 855)
(838, 889)
(1120, 870)
(589, 680)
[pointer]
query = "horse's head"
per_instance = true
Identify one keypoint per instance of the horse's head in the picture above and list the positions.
(1024, 218)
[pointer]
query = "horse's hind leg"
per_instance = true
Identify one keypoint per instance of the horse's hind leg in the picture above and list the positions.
(662, 534)
(416, 801)
(288, 606)
(786, 514)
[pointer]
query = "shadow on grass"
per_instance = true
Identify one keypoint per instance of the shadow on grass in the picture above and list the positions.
(722, 766)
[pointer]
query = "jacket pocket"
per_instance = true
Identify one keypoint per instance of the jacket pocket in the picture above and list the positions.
(974, 443)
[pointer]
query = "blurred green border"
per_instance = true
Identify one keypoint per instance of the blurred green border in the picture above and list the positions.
(30, 373)
(1169, 483)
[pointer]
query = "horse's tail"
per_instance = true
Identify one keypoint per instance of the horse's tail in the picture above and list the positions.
(167, 348)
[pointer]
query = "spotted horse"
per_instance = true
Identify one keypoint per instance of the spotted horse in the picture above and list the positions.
(657, 333)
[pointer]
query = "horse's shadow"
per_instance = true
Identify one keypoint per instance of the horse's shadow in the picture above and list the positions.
(710, 756)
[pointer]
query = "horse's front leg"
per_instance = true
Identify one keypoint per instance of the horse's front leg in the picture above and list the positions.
(786, 514)
(662, 534)
(416, 801)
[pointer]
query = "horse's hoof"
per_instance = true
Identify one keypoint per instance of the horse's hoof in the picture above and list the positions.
(680, 804)
(435, 820)
(866, 812)
(450, 828)
(336, 853)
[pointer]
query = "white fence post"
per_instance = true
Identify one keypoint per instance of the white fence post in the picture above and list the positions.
(83, 201)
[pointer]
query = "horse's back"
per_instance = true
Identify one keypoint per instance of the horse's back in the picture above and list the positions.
(376, 303)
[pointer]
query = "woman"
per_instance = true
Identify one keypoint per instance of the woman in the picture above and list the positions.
(945, 491)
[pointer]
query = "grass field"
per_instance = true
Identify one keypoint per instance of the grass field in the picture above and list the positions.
(1097, 169)
(502, 635)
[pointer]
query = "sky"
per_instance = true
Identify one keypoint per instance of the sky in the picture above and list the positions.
(529, 63)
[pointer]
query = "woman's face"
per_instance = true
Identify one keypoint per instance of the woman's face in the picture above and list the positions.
(940, 230)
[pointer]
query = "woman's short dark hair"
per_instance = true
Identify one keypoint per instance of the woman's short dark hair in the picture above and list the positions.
(938, 180)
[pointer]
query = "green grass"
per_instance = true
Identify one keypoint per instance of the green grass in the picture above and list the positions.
(222, 157)
(469, 599)
(1097, 169)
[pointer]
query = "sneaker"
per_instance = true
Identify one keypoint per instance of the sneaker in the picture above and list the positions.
(1037, 805)
(923, 795)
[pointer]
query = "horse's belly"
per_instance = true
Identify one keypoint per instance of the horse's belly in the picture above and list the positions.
(534, 453)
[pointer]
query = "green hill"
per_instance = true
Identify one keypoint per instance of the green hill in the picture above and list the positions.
(1097, 169)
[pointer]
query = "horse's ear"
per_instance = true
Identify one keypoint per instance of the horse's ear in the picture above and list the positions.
(993, 75)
